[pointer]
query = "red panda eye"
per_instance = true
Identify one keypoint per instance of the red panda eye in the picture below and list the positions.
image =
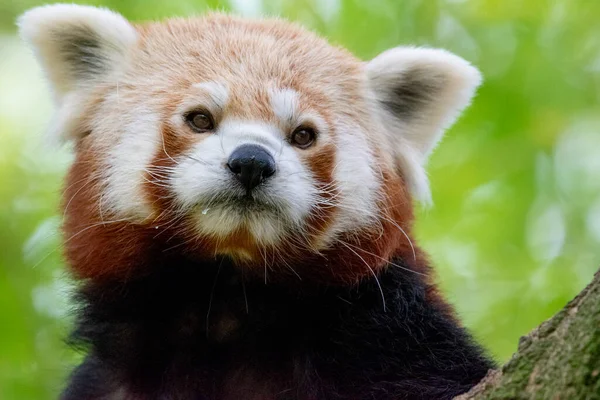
(200, 121)
(303, 137)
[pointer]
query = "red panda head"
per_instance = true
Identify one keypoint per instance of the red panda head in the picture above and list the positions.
(256, 140)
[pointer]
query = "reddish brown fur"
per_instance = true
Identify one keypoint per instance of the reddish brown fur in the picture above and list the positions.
(98, 250)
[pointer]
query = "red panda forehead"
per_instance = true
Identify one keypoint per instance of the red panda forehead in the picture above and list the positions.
(247, 54)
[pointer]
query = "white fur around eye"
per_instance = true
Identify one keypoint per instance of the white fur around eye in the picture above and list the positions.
(217, 91)
(285, 104)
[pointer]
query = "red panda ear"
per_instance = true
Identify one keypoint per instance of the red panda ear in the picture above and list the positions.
(78, 47)
(420, 92)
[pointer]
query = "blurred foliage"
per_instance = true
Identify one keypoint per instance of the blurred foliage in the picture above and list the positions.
(514, 234)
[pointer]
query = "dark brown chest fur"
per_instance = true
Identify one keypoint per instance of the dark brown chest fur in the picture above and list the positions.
(192, 331)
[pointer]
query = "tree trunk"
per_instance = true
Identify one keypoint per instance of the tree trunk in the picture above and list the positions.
(559, 360)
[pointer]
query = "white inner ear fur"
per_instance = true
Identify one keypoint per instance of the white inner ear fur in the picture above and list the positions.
(78, 47)
(419, 93)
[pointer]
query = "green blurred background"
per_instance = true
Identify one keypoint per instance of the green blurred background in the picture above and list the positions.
(515, 231)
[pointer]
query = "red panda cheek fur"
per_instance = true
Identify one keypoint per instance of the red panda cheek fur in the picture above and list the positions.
(98, 246)
(363, 254)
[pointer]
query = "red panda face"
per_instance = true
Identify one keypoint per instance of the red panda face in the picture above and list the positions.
(250, 139)
(243, 134)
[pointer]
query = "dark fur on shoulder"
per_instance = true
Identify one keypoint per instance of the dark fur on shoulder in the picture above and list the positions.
(192, 331)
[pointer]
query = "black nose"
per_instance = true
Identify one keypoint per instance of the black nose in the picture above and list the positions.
(251, 164)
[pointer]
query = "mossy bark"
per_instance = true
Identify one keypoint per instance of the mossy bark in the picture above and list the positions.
(559, 360)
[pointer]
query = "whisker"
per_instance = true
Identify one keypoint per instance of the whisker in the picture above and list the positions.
(198, 160)
(387, 261)
(244, 290)
(394, 223)
(372, 272)
(165, 150)
(212, 292)
(95, 225)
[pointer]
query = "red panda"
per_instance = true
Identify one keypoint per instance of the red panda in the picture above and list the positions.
(239, 210)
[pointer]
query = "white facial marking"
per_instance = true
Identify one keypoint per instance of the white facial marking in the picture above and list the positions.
(128, 160)
(211, 95)
(284, 103)
(245, 132)
(218, 92)
(356, 178)
(204, 181)
(357, 183)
